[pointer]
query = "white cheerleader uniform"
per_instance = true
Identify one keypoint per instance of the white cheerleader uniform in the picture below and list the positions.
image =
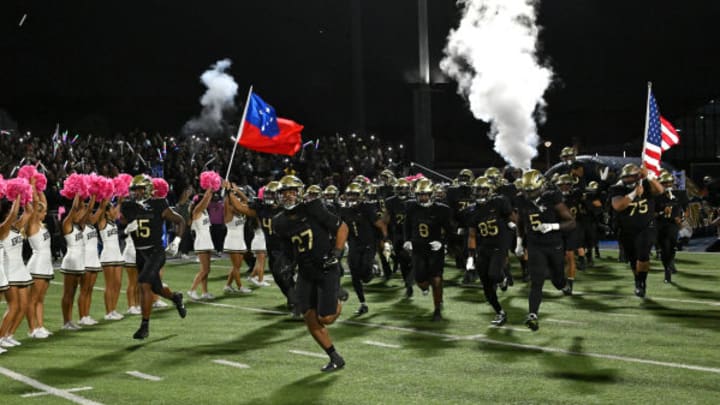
(92, 257)
(74, 260)
(258, 241)
(129, 252)
(235, 237)
(3, 275)
(110, 255)
(40, 263)
(201, 227)
(17, 273)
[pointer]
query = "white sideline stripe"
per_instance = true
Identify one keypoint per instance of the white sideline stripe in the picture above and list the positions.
(481, 338)
(46, 388)
(617, 314)
(310, 354)
(39, 394)
(381, 344)
(143, 376)
(563, 321)
(230, 363)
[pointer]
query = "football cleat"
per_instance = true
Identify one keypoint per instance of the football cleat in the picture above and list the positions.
(500, 319)
(336, 363)
(532, 322)
(343, 295)
(362, 310)
(177, 299)
(437, 315)
(142, 333)
(504, 284)
(568, 290)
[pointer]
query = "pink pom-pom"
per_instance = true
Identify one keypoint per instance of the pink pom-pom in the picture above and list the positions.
(161, 187)
(105, 188)
(19, 188)
(40, 181)
(94, 182)
(74, 185)
(261, 193)
(122, 184)
(27, 171)
(210, 180)
(3, 185)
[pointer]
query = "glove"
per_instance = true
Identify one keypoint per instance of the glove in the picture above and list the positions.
(172, 248)
(131, 227)
(545, 227)
(407, 246)
(461, 231)
(435, 245)
(512, 225)
(331, 259)
(604, 173)
(470, 264)
(387, 250)
(519, 250)
(651, 175)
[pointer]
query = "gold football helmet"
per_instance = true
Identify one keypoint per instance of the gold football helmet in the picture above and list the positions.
(142, 187)
(532, 183)
(291, 182)
(465, 177)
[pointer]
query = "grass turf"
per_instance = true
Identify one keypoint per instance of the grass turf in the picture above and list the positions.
(603, 345)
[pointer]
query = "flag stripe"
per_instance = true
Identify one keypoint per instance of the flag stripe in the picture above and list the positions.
(660, 136)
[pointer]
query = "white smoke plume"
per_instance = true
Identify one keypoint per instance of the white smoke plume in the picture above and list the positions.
(492, 57)
(218, 98)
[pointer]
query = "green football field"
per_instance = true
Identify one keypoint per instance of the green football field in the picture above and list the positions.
(603, 345)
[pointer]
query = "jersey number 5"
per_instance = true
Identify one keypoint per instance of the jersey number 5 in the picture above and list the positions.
(143, 229)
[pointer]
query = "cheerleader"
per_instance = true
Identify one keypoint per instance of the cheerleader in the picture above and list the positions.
(234, 243)
(18, 277)
(200, 224)
(132, 292)
(73, 263)
(111, 259)
(40, 265)
(92, 263)
(7, 223)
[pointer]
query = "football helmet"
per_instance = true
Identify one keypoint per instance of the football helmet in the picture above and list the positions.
(492, 174)
(402, 188)
(330, 194)
(288, 184)
(532, 183)
(142, 188)
(482, 188)
(387, 177)
(630, 175)
(465, 177)
(353, 194)
(567, 154)
(423, 192)
(270, 192)
(313, 192)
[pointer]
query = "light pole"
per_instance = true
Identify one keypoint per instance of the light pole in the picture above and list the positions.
(547, 145)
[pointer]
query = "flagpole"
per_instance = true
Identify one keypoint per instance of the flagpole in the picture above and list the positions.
(647, 123)
(240, 130)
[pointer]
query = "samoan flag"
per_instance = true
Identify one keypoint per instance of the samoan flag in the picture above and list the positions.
(265, 132)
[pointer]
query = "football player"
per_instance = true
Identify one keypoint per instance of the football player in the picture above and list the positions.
(396, 210)
(669, 218)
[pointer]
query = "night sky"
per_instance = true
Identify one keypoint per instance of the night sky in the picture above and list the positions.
(121, 65)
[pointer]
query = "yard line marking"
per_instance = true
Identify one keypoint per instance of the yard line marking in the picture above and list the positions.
(260, 310)
(230, 363)
(304, 353)
(144, 376)
(563, 321)
(509, 328)
(481, 338)
(44, 387)
(381, 344)
(39, 394)
(618, 314)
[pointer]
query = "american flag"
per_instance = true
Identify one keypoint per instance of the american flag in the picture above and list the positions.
(660, 136)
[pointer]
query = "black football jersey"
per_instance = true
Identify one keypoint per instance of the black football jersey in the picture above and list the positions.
(307, 228)
(459, 198)
(426, 224)
(490, 220)
(573, 201)
(668, 208)
(360, 220)
(396, 209)
(149, 219)
(265, 214)
(640, 213)
(540, 211)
